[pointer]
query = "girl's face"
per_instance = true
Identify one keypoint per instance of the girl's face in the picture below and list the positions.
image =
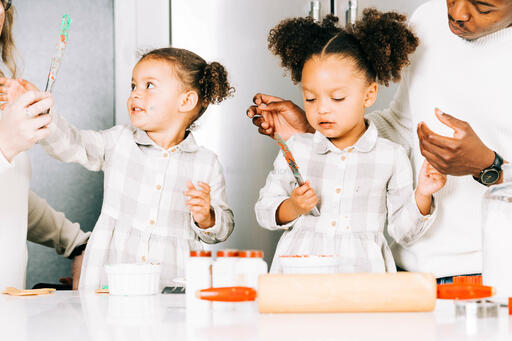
(154, 102)
(336, 94)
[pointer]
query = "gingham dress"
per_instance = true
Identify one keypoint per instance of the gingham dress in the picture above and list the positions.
(144, 217)
(365, 191)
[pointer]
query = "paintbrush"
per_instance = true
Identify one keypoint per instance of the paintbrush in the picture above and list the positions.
(59, 52)
(293, 166)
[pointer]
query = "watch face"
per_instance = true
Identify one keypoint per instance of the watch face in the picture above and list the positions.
(489, 176)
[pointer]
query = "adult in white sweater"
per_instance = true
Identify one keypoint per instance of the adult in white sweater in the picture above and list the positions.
(23, 215)
(462, 66)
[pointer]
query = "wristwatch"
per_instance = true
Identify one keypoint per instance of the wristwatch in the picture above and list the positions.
(491, 175)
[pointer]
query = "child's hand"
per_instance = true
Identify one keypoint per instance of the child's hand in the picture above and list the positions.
(10, 89)
(303, 199)
(199, 204)
(430, 180)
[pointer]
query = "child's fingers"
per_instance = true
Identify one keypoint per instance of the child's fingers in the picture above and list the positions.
(204, 186)
(195, 193)
(197, 201)
(190, 185)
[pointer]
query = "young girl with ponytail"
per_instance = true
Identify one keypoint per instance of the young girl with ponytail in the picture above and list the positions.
(163, 193)
(361, 183)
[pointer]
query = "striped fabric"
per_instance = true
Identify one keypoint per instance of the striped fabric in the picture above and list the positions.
(365, 192)
(144, 216)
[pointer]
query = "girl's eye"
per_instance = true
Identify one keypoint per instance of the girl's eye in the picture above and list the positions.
(338, 99)
(133, 86)
(310, 99)
(149, 85)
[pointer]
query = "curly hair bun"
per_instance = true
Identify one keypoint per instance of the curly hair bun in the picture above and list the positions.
(214, 84)
(386, 41)
(295, 40)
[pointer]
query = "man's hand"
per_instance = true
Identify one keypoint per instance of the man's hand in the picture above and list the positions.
(462, 154)
(274, 115)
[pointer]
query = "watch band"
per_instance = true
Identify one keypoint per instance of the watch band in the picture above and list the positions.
(495, 169)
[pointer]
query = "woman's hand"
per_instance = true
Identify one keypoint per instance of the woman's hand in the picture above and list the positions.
(199, 204)
(11, 89)
(462, 154)
(273, 115)
(21, 124)
(76, 270)
(430, 181)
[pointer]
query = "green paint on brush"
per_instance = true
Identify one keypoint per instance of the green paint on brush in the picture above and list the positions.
(64, 28)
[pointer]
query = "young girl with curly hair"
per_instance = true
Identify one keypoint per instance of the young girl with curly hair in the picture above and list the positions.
(361, 183)
(163, 193)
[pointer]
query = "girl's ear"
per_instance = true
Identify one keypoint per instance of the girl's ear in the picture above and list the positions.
(371, 94)
(188, 101)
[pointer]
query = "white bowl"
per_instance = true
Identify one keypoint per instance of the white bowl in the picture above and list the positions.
(308, 264)
(133, 279)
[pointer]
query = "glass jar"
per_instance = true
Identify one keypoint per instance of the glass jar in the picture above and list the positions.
(497, 240)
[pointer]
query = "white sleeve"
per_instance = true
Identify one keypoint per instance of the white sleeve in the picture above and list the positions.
(395, 123)
(278, 187)
(86, 147)
(406, 224)
(224, 220)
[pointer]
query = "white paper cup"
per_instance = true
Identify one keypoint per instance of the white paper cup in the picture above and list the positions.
(133, 279)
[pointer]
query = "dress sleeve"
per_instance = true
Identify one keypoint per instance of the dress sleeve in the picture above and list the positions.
(86, 147)
(224, 220)
(278, 187)
(406, 224)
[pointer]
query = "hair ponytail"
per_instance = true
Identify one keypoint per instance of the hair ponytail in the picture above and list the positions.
(386, 41)
(379, 43)
(214, 85)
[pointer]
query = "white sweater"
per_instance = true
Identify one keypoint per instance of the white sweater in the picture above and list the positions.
(471, 81)
(23, 215)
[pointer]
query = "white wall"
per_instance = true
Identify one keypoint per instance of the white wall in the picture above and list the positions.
(139, 25)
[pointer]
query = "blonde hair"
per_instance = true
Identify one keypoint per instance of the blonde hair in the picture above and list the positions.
(7, 44)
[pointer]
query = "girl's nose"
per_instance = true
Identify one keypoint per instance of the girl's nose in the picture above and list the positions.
(323, 108)
(459, 11)
(135, 94)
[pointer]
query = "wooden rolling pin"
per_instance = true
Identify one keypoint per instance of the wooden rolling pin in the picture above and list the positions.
(357, 292)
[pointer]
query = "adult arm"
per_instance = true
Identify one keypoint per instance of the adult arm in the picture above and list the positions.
(51, 228)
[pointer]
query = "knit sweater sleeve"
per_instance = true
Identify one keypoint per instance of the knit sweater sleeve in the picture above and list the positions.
(395, 123)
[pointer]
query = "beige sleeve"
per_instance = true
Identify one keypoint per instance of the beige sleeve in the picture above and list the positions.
(51, 228)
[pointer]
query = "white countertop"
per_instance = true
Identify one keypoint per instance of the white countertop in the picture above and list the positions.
(69, 316)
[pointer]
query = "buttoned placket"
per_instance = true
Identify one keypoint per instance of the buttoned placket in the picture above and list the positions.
(339, 159)
(164, 159)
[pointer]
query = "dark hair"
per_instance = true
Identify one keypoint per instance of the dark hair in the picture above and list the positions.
(379, 43)
(209, 80)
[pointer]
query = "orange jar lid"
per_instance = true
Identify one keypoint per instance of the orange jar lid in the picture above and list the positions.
(227, 253)
(200, 253)
(250, 254)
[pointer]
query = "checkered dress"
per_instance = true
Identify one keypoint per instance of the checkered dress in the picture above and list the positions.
(365, 191)
(144, 216)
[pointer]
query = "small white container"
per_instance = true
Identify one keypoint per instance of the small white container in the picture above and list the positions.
(198, 274)
(224, 269)
(308, 264)
(224, 275)
(133, 279)
(249, 267)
